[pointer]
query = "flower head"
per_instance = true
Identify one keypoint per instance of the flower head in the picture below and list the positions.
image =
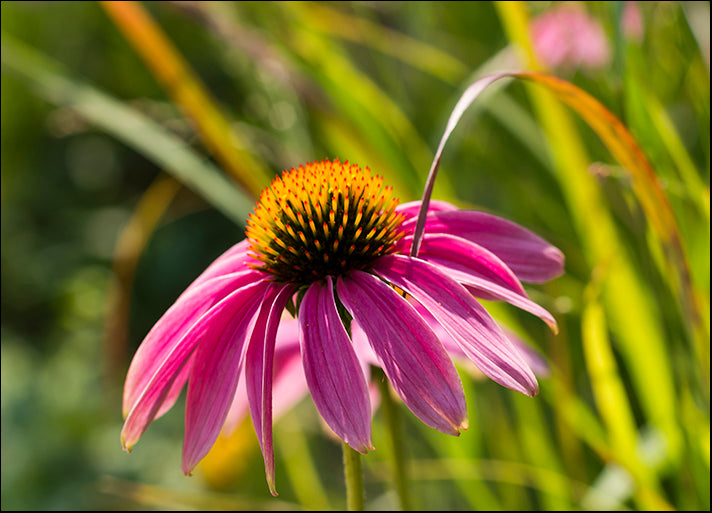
(567, 36)
(322, 220)
(328, 242)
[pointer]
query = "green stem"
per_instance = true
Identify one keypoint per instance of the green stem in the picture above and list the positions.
(353, 475)
(353, 471)
(390, 410)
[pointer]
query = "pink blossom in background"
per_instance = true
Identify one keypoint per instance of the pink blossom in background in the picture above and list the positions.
(632, 22)
(567, 37)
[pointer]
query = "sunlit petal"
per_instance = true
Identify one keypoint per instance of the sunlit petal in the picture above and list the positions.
(412, 357)
(333, 372)
(467, 322)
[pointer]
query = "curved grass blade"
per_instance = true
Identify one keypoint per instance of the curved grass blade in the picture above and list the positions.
(620, 143)
(472, 92)
(150, 139)
(570, 156)
(635, 322)
(650, 194)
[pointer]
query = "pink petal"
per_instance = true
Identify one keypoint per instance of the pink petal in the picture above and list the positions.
(209, 325)
(289, 385)
(568, 36)
(467, 322)
(213, 378)
(530, 257)
(259, 366)
(333, 372)
(411, 356)
(482, 273)
(166, 334)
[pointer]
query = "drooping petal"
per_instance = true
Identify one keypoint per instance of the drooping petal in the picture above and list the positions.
(166, 334)
(259, 366)
(531, 258)
(480, 270)
(209, 325)
(467, 322)
(333, 372)
(289, 384)
(410, 354)
(213, 379)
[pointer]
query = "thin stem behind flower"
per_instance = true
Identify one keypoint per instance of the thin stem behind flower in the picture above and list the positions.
(393, 421)
(353, 476)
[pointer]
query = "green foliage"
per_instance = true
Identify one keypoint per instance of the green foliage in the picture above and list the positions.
(96, 245)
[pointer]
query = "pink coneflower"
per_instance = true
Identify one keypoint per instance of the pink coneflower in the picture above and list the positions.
(566, 36)
(632, 22)
(328, 242)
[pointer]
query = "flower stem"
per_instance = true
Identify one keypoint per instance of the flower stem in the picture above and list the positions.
(390, 410)
(353, 475)
(353, 471)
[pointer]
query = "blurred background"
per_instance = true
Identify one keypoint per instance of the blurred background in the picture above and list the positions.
(136, 136)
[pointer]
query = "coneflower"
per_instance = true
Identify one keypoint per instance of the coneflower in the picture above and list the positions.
(329, 243)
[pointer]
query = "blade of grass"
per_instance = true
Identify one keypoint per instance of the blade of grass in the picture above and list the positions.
(150, 139)
(611, 400)
(182, 84)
